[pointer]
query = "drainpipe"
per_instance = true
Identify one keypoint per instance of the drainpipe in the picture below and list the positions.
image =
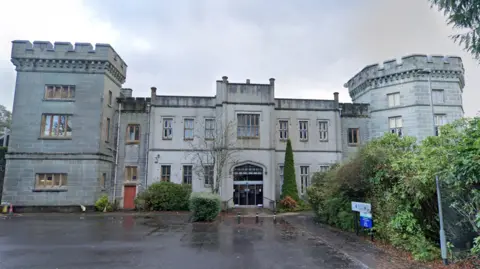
(116, 153)
(147, 147)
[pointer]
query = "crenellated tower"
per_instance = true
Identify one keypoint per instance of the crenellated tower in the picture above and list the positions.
(398, 92)
(63, 123)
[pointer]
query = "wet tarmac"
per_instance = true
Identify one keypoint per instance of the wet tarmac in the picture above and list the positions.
(162, 241)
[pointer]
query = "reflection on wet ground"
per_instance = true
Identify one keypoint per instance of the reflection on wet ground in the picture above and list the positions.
(160, 241)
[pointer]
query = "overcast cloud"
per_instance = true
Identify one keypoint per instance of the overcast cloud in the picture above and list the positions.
(311, 47)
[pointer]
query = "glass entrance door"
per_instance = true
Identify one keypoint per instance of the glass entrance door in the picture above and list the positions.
(248, 194)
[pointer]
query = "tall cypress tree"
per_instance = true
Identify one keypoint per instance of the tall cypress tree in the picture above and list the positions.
(289, 187)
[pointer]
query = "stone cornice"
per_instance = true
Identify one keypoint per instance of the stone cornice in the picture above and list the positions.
(68, 65)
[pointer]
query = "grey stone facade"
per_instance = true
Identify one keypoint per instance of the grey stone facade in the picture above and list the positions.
(90, 155)
(405, 77)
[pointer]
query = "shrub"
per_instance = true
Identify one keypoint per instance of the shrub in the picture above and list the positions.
(289, 187)
(288, 203)
(164, 196)
(204, 206)
(103, 204)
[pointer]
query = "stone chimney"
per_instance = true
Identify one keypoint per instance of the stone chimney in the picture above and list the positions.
(225, 79)
(248, 81)
(154, 93)
(272, 82)
(335, 97)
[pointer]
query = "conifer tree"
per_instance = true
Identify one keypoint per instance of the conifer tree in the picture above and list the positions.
(289, 187)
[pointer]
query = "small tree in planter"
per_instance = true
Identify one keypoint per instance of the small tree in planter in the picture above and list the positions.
(289, 187)
(204, 206)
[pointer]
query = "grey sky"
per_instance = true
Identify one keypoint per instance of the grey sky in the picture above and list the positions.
(311, 47)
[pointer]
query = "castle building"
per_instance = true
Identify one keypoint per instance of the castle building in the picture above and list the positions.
(77, 134)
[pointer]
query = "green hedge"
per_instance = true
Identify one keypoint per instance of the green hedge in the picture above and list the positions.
(204, 206)
(164, 196)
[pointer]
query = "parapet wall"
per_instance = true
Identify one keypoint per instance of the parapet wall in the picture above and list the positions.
(355, 110)
(65, 55)
(304, 104)
(438, 64)
(184, 101)
(134, 104)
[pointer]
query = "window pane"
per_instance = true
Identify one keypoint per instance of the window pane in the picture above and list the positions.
(56, 180)
(397, 99)
(390, 100)
(399, 122)
(391, 123)
(46, 130)
(58, 92)
(69, 126)
(55, 123)
(61, 126)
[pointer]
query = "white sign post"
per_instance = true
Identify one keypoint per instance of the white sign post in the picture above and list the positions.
(361, 207)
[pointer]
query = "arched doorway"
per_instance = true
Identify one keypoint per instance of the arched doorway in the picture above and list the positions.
(248, 185)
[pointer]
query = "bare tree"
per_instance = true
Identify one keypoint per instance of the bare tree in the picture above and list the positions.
(213, 149)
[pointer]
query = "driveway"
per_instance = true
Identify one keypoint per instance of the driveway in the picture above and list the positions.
(162, 241)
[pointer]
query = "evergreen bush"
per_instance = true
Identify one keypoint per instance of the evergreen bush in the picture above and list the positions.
(164, 196)
(103, 204)
(204, 206)
(289, 187)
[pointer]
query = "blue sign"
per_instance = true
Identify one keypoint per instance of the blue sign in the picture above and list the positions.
(366, 222)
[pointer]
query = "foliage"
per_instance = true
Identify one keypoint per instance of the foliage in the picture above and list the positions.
(3, 151)
(5, 118)
(164, 196)
(289, 187)
(288, 203)
(463, 15)
(204, 206)
(215, 148)
(103, 204)
(397, 176)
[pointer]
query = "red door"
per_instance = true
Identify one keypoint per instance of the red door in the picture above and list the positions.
(129, 197)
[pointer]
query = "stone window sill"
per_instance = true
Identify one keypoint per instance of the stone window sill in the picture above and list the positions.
(54, 138)
(50, 190)
(58, 100)
(134, 142)
(352, 145)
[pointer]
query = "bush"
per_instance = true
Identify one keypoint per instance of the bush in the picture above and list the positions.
(164, 196)
(204, 206)
(288, 203)
(103, 204)
(289, 187)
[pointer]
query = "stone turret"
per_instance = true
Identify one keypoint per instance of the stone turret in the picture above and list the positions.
(392, 71)
(65, 57)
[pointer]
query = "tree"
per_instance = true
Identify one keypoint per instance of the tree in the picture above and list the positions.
(213, 149)
(5, 118)
(289, 187)
(463, 15)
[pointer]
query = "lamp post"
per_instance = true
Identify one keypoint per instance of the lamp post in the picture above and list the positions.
(443, 240)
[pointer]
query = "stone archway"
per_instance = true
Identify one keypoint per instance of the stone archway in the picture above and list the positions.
(248, 185)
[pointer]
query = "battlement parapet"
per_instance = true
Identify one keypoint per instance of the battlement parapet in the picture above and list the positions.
(354, 110)
(134, 104)
(390, 70)
(65, 57)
